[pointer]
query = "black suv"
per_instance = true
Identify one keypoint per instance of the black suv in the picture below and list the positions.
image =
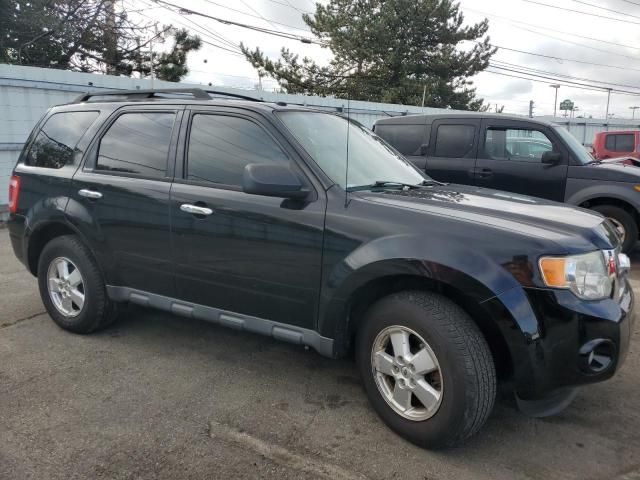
(245, 214)
(519, 155)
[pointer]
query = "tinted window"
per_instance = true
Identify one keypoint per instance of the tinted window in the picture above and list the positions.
(221, 146)
(137, 143)
(454, 141)
(407, 139)
(54, 145)
(620, 142)
(516, 144)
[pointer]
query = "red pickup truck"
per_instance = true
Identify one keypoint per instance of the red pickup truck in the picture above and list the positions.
(616, 144)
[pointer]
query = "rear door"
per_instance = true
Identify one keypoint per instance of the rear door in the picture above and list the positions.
(248, 254)
(510, 159)
(120, 198)
(451, 154)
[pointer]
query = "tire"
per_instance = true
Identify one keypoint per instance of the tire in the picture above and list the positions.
(621, 219)
(76, 313)
(465, 378)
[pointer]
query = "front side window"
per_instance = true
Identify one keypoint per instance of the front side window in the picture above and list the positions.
(620, 142)
(516, 144)
(137, 144)
(454, 141)
(55, 143)
(221, 146)
(335, 143)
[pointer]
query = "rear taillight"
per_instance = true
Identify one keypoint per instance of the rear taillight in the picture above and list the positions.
(14, 193)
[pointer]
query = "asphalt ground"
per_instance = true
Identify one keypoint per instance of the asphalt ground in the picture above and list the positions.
(159, 396)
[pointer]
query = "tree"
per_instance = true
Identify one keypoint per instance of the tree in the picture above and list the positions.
(88, 36)
(387, 51)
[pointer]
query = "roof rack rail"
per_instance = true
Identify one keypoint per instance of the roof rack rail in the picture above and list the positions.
(133, 94)
(197, 93)
(234, 95)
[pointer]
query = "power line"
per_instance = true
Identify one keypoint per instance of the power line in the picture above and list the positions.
(562, 59)
(259, 16)
(188, 11)
(516, 23)
(498, 63)
(581, 12)
(605, 9)
(550, 81)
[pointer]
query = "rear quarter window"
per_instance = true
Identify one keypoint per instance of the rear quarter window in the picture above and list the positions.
(56, 141)
(407, 139)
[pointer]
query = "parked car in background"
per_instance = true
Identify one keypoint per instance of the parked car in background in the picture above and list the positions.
(519, 155)
(616, 144)
(242, 213)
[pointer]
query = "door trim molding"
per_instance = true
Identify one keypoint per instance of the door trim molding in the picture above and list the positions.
(238, 321)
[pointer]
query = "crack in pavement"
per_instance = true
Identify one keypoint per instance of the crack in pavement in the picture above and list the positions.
(310, 466)
(13, 322)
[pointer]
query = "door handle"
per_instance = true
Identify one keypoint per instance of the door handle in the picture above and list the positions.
(89, 194)
(195, 209)
(484, 173)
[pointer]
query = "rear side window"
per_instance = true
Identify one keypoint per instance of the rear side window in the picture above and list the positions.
(221, 146)
(137, 144)
(454, 141)
(56, 141)
(621, 142)
(407, 139)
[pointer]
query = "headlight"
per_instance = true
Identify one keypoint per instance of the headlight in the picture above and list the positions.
(586, 275)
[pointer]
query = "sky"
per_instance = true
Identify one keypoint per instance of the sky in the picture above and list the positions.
(545, 35)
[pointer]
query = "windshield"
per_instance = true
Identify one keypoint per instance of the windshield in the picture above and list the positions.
(371, 160)
(579, 151)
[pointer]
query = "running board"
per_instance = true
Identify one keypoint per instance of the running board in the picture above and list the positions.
(238, 321)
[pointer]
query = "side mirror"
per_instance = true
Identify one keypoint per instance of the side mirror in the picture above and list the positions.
(551, 158)
(423, 149)
(272, 180)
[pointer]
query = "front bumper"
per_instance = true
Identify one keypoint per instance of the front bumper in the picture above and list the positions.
(577, 342)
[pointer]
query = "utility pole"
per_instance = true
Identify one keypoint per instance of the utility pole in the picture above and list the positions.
(555, 101)
(424, 94)
(111, 38)
(151, 69)
(531, 108)
(608, 100)
(633, 112)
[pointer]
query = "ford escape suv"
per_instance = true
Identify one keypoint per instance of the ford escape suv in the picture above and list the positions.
(307, 227)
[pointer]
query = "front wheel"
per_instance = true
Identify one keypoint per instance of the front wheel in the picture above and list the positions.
(624, 223)
(72, 288)
(426, 367)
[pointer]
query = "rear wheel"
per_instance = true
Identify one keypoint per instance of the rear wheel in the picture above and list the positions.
(624, 223)
(72, 288)
(426, 367)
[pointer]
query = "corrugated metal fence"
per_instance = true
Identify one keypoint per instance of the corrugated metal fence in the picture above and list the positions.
(27, 92)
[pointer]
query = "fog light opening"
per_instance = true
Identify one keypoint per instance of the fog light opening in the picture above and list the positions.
(598, 355)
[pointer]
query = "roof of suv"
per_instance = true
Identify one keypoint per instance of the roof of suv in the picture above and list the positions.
(429, 118)
(180, 96)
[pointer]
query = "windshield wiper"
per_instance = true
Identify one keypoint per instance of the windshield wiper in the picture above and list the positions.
(394, 184)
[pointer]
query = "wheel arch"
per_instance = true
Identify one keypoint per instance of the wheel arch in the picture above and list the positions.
(379, 288)
(42, 234)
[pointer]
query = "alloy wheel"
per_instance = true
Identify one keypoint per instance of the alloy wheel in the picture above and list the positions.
(407, 373)
(66, 286)
(622, 232)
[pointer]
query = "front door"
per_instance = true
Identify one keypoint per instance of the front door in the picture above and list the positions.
(121, 198)
(510, 159)
(248, 254)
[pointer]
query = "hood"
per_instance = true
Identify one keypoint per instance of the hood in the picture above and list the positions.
(620, 169)
(520, 213)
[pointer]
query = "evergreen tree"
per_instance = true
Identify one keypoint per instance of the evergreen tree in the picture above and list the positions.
(387, 51)
(88, 36)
